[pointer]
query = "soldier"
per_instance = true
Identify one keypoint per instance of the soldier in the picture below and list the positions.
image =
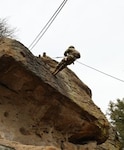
(71, 52)
(70, 56)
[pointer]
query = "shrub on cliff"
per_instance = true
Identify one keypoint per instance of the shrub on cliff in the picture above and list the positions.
(5, 29)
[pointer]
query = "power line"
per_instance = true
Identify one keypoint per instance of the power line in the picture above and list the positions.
(101, 72)
(45, 28)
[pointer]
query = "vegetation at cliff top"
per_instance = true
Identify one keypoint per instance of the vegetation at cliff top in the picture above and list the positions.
(5, 29)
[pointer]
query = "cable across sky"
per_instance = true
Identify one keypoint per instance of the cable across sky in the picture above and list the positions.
(96, 70)
(101, 71)
(45, 28)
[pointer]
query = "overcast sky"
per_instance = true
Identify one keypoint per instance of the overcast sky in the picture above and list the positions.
(94, 27)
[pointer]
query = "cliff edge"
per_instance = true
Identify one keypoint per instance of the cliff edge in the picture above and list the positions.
(43, 112)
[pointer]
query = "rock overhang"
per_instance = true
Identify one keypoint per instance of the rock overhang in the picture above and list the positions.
(59, 104)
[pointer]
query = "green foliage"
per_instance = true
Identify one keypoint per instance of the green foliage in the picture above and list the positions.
(116, 113)
(5, 30)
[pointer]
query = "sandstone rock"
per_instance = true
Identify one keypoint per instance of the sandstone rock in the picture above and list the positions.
(42, 112)
(2, 147)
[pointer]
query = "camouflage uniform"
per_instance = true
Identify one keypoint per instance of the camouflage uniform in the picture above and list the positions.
(70, 56)
(71, 53)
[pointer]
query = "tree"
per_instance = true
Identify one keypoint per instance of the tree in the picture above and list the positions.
(116, 113)
(5, 30)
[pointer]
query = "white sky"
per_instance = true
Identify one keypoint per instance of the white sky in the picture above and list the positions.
(94, 27)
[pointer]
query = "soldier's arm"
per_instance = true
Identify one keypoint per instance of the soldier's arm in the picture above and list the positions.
(66, 52)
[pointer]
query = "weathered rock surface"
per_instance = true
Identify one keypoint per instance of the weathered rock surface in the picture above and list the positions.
(42, 112)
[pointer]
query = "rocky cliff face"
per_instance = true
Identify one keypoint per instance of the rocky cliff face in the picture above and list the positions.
(42, 112)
